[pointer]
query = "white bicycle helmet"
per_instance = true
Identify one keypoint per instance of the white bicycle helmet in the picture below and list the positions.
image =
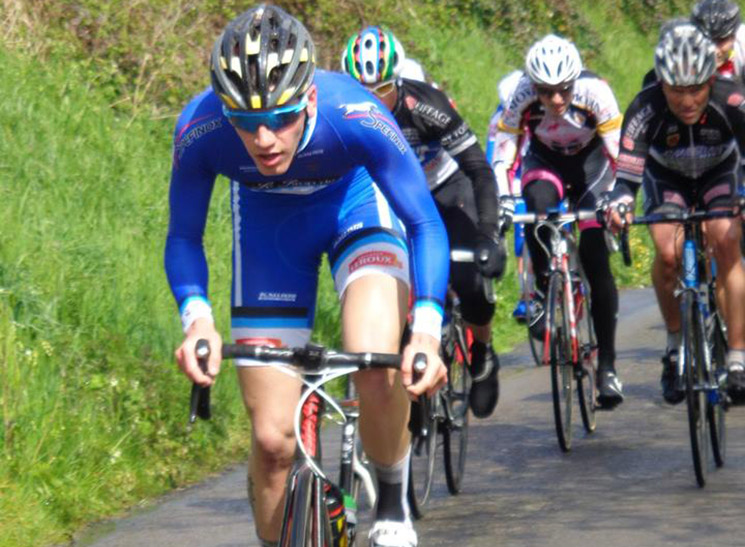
(553, 61)
(685, 56)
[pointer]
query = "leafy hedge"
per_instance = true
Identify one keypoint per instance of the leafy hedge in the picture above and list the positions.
(152, 54)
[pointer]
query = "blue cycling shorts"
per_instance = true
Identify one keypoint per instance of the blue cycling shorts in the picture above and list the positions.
(278, 242)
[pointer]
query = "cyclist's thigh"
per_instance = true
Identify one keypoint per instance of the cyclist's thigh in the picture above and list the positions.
(666, 191)
(369, 261)
(457, 205)
(542, 182)
(718, 191)
(278, 241)
(596, 176)
(270, 397)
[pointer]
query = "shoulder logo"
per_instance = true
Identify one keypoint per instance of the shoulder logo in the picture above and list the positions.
(359, 108)
(371, 117)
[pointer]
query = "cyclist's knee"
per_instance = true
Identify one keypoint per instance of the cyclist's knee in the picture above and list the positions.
(477, 310)
(725, 241)
(378, 386)
(273, 446)
(667, 260)
(541, 195)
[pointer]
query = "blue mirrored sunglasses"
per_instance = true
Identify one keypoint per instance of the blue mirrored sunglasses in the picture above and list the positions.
(273, 119)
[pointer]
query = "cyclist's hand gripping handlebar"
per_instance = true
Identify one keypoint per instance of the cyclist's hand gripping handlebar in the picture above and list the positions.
(200, 396)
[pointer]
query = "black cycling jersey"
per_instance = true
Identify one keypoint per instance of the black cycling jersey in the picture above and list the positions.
(654, 139)
(445, 143)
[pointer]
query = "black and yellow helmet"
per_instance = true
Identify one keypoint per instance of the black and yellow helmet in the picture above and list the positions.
(263, 59)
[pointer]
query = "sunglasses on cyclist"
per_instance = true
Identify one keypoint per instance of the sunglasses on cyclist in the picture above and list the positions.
(273, 119)
(381, 90)
(549, 90)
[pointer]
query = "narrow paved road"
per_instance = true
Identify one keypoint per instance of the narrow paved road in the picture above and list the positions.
(630, 483)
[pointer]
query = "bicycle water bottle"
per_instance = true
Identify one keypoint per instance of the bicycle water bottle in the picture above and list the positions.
(337, 515)
(690, 275)
(350, 509)
(520, 208)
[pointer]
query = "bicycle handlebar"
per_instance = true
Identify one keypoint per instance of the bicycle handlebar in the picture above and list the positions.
(556, 217)
(311, 359)
(680, 217)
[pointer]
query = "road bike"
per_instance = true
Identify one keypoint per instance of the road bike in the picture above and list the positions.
(318, 512)
(446, 415)
(702, 354)
(569, 346)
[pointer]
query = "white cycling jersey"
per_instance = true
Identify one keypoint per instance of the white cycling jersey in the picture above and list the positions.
(505, 89)
(592, 113)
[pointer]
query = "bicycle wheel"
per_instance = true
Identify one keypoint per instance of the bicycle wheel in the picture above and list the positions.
(304, 523)
(423, 451)
(562, 373)
(717, 410)
(586, 372)
(455, 401)
(696, 399)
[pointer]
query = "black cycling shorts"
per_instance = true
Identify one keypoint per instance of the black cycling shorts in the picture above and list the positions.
(667, 190)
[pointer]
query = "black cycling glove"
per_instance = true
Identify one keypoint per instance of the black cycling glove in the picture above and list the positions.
(490, 256)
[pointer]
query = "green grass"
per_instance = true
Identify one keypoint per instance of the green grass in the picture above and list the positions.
(93, 407)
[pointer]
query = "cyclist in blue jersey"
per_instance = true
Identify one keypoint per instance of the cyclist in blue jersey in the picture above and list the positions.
(461, 182)
(316, 165)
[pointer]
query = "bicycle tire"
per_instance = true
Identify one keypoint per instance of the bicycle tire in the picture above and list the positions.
(717, 411)
(562, 372)
(303, 516)
(422, 459)
(696, 399)
(587, 367)
(455, 426)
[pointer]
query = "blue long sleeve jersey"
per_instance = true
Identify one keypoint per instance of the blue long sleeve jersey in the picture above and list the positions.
(351, 131)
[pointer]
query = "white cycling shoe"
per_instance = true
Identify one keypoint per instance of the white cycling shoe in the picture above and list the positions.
(390, 533)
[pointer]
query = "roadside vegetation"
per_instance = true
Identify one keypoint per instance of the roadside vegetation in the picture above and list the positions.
(93, 409)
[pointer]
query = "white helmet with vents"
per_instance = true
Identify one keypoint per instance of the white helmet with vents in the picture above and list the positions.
(553, 61)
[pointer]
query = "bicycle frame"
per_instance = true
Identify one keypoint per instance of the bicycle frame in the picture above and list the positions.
(568, 349)
(558, 252)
